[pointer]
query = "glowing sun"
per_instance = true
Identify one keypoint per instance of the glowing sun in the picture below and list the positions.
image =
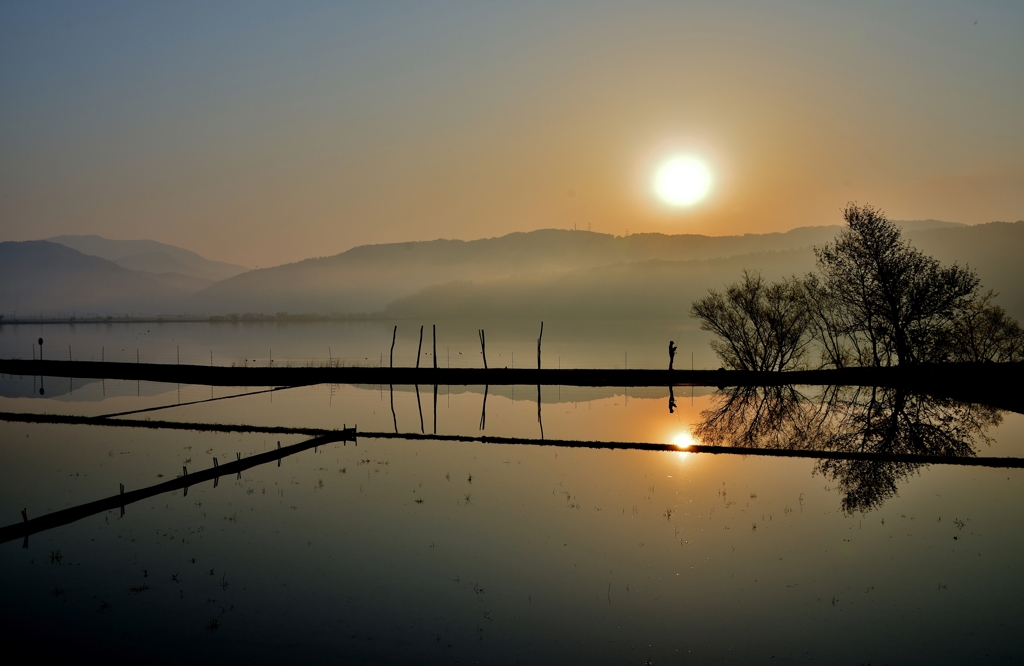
(682, 181)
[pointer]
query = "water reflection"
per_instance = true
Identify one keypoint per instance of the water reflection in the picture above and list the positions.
(864, 420)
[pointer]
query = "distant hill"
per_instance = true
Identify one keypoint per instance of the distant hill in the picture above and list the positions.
(50, 278)
(546, 273)
(664, 289)
(654, 289)
(993, 249)
(367, 278)
(919, 225)
(150, 256)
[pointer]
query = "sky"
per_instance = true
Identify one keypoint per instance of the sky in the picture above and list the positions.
(264, 133)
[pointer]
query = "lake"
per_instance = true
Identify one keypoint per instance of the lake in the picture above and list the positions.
(399, 550)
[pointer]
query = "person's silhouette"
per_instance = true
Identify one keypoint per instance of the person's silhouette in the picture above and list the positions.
(671, 401)
(671, 353)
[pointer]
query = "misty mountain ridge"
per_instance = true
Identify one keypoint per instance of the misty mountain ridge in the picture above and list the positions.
(548, 272)
(370, 277)
(40, 277)
(367, 278)
(660, 289)
(150, 256)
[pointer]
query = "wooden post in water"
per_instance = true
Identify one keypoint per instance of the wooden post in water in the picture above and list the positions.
(391, 392)
(434, 327)
(391, 362)
(419, 406)
(539, 338)
(539, 419)
(483, 409)
(419, 350)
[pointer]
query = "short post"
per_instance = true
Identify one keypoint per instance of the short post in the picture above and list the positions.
(24, 515)
(40, 349)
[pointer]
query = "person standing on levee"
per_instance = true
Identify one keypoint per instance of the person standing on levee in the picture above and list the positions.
(671, 353)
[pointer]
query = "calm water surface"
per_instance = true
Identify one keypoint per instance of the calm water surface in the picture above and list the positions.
(397, 551)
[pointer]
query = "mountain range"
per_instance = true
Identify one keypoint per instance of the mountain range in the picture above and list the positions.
(545, 273)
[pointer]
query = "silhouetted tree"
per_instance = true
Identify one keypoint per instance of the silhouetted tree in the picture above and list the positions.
(761, 326)
(875, 300)
(890, 302)
(985, 333)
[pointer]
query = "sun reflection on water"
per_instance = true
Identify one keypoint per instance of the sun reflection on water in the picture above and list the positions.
(684, 440)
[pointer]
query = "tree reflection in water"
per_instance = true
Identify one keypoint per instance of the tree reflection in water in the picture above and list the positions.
(876, 420)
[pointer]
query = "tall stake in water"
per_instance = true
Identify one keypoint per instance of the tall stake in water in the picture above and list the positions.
(419, 350)
(539, 338)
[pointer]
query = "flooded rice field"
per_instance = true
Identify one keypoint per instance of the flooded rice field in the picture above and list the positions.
(420, 550)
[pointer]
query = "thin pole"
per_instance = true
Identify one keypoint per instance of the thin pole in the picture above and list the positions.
(391, 361)
(540, 421)
(539, 338)
(483, 409)
(391, 392)
(434, 326)
(419, 406)
(419, 350)
(483, 346)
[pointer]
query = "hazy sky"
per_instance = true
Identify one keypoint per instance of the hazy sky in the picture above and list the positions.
(265, 133)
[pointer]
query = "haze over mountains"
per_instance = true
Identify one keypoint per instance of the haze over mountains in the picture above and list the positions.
(546, 273)
(174, 265)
